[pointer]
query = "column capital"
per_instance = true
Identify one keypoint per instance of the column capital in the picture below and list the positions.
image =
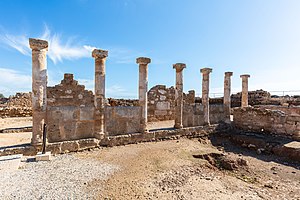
(99, 53)
(228, 73)
(179, 66)
(143, 60)
(37, 44)
(245, 76)
(206, 70)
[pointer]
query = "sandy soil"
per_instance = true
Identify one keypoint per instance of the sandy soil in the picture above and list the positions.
(10, 139)
(173, 170)
(168, 170)
(161, 124)
(15, 122)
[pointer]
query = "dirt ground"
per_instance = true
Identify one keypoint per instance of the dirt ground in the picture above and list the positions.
(11, 139)
(169, 170)
(178, 169)
(15, 122)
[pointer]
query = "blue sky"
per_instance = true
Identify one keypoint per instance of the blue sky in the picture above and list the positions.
(261, 38)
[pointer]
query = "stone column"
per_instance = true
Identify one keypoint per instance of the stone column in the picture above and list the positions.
(205, 93)
(227, 97)
(179, 94)
(39, 88)
(245, 89)
(100, 58)
(143, 89)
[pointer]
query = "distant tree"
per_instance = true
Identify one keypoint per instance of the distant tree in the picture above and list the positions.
(2, 96)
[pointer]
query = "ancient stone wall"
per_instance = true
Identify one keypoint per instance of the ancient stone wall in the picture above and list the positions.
(257, 97)
(161, 103)
(122, 120)
(70, 111)
(193, 115)
(267, 121)
(19, 105)
(122, 102)
(286, 109)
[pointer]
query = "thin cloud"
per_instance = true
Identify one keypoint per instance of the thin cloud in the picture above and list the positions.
(123, 56)
(19, 42)
(12, 81)
(57, 51)
(117, 91)
(68, 49)
(114, 91)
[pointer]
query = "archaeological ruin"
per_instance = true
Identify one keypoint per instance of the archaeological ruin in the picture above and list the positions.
(78, 119)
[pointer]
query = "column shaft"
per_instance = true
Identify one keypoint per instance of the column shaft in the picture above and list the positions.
(39, 88)
(143, 89)
(245, 90)
(205, 94)
(100, 59)
(227, 97)
(179, 94)
(143, 98)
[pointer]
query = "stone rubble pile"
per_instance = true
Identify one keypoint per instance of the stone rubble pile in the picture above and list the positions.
(18, 105)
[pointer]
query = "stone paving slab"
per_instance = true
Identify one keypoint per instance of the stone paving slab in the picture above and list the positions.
(10, 163)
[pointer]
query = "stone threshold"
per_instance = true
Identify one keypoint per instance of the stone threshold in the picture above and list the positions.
(110, 141)
(16, 130)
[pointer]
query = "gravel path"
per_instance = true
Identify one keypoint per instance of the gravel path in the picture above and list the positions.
(64, 177)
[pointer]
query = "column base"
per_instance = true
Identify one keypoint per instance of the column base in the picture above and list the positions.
(36, 142)
(100, 135)
(39, 144)
(144, 131)
(206, 124)
(178, 126)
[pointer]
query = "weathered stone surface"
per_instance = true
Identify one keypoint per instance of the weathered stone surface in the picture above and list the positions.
(88, 143)
(99, 115)
(205, 93)
(69, 118)
(54, 148)
(143, 89)
(10, 163)
(290, 150)
(266, 121)
(161, 103)
(245, 89)
(227, 99)
(122, 119)
(69, 146)
(43, 157)
(18, 105)
(39, 86)
(179, 94)
(193, 115)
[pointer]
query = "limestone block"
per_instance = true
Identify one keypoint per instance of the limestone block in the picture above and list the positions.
(162, 98)
(83, 129)
(87, 113)
(10, 162)
(163, 105)
(54, 148)
(88, 143)
(160, 112)
(162, 91)
(69, 146)
(43, 157)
